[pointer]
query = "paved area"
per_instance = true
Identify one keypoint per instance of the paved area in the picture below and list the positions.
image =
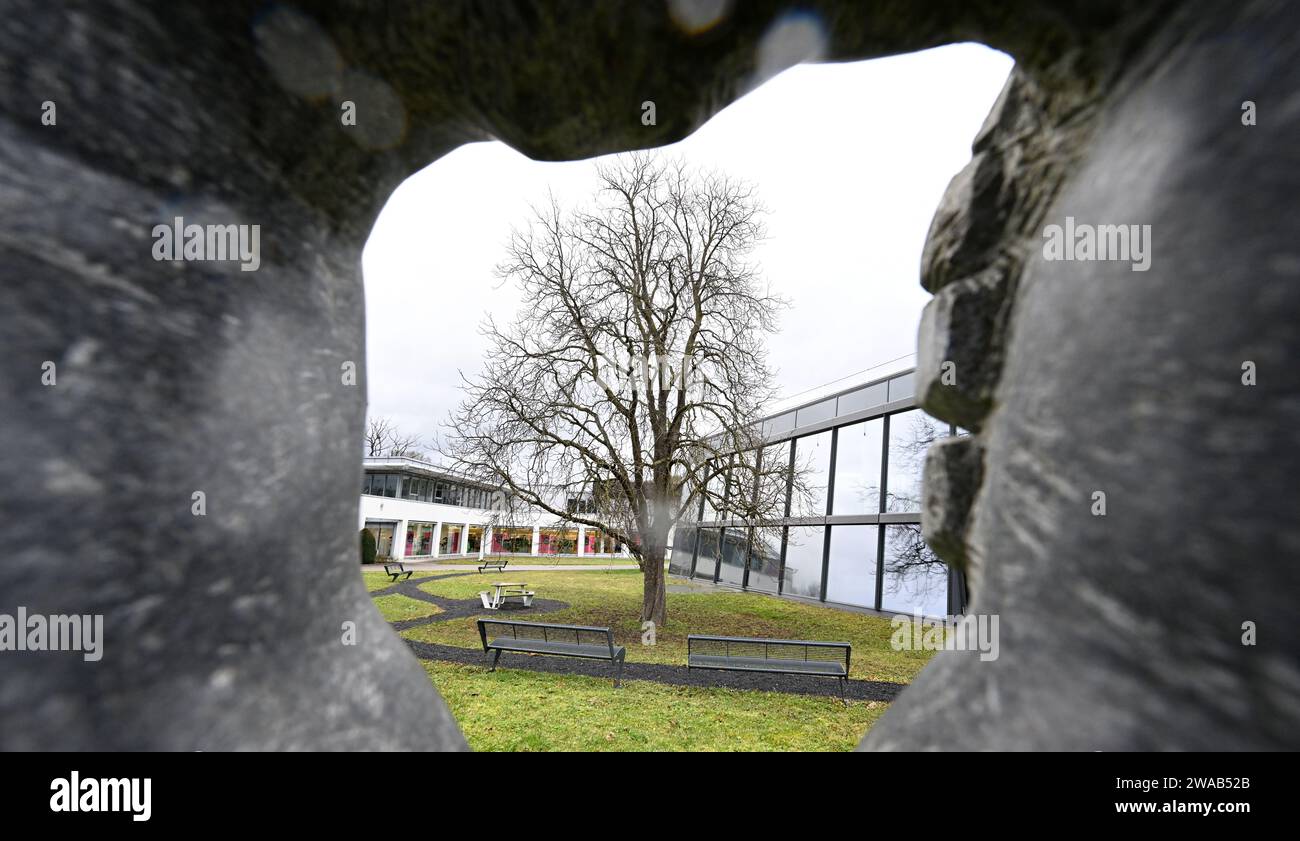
(858, 690)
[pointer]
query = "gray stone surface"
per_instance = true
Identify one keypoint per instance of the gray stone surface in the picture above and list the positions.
(1124, 631)
(223, 631)
(954, 468)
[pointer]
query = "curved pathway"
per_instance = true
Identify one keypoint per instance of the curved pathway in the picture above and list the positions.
(858, 690)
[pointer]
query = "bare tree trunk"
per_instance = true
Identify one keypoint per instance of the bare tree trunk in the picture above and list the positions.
(654, 606)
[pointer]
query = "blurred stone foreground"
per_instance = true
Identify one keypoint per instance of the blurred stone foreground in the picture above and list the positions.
(1119, 632)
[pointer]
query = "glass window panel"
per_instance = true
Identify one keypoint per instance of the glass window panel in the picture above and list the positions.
(902, 386)
(683, 550)
(765, 560)
(391, 484)
(419, 539)
(910, 435)
(869, 397)
(915, 578)
(851, 576)
(706, 560)
(773, 484)
(778, 424)
(735, 547)
(450, 541)
(813, 457)
(816, 413)
(715, 488)
(857, 467)
(803, 561)
(740, 494)
(365, 484)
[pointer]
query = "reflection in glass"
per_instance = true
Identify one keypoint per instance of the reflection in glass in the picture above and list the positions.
(803, 561)
(910, 435)
(857, 468)
(716, 486)
(765, 561)
(851, 577)
(449, 542)
(813, 457)
(734, 549)
(706, 559)
(419, 539)
(915, 578)
(773, 485)
(683, 551)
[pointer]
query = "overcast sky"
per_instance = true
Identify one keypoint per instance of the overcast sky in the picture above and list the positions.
(851, 160)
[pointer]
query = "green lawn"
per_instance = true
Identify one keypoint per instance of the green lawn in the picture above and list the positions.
(614, 599)
(395, 607)
(516, 710)
(380, 580)
(543, 561)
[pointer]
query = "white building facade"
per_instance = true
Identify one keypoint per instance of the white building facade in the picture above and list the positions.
(420, 511)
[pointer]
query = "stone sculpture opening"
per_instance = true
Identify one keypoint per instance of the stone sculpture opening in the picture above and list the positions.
(1077, 377)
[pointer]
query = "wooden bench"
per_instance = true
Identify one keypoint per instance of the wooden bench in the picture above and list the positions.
(396, 571)
(498, 564)
(588, 643)
(789, 657)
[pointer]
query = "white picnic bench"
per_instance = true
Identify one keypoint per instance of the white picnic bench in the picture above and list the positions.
(506, 592)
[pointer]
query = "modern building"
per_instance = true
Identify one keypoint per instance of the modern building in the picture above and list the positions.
(420, 511)
(858, 543)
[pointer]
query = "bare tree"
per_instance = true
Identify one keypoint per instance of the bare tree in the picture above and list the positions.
(637, 371)
(384, 438)
(378, 431)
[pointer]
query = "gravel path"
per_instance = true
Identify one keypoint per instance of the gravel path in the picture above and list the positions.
(858, 690)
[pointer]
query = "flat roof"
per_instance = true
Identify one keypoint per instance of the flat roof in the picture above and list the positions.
(876, 396)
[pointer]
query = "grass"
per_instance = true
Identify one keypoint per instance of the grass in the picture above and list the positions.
(613, 599)
(380, 580)
(516, 710)
(543, 561)
(395, 607)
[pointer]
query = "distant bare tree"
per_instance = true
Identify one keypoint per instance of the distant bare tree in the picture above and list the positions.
(637, 371)
(383, 438)
(378, 431)
(405, 445)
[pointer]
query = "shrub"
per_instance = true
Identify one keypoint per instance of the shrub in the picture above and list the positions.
(367, 546)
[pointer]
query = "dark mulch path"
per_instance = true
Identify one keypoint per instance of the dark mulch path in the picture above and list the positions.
(858, 690)
(453, 608)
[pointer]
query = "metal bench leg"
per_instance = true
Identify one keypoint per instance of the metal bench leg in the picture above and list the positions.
(496, 655)
(618, 673)
(844, 690)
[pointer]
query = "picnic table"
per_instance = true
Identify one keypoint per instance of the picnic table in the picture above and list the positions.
(507, 592)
